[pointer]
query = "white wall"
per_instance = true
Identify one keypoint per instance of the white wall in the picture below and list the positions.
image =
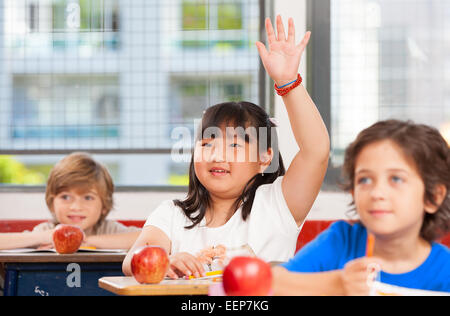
(138, 205)
(133, 206)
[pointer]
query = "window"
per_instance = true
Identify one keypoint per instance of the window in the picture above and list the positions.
(87, 15)
(203, 15)
(116, 77)
(228, 19)
(35, 27)
(377, 59)
(91, 108)
(229, 16)
(195, 15)
(192, 96)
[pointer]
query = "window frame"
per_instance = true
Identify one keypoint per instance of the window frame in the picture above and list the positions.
(265, 99)
(318, 76)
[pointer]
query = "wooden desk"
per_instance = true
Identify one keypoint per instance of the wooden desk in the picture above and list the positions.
(129, 286)
(51, 274)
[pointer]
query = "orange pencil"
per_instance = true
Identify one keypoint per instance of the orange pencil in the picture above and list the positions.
(370, 244)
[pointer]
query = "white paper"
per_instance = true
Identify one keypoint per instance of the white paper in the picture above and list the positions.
(383, 289)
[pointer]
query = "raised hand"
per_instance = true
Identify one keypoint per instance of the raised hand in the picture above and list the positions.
(282, 59)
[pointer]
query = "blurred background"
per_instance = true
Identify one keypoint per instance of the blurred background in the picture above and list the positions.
(115, 77)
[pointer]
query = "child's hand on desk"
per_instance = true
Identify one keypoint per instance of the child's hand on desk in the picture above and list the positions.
(45, 247)
(358, 274)
(44, 239)
(87, 242)
(184, 264)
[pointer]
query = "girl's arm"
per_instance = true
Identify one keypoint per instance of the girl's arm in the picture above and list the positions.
(25, 239)
(303, 179)
(181, 263)
(113, 241)
(150, 235)
(316, 284)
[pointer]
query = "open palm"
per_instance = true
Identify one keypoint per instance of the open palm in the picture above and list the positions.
(282, 59)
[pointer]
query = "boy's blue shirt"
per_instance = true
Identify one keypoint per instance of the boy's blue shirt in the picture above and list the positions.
(343, 242)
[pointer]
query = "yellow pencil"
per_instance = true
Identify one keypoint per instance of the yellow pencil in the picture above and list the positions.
(208, 274)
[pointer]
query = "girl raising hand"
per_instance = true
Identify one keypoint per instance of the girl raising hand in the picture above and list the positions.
(303, 179)
(240, 198)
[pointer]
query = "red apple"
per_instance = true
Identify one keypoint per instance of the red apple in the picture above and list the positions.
(149, 264)
(67, 238)
(247, 276)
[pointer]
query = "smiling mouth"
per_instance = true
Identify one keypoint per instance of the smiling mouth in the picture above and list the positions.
(218, 172)
(379, 212)
(76, 219)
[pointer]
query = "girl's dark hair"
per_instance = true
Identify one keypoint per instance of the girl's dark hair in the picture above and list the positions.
(236, 114)
(431, 155)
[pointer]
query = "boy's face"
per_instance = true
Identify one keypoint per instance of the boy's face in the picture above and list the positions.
(388, 191)
(78, 206)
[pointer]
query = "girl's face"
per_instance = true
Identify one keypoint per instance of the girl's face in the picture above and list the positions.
(79, 207)
(225, 164)
(388, 191)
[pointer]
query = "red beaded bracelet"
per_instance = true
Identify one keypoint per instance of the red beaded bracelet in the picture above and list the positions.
(284, 91)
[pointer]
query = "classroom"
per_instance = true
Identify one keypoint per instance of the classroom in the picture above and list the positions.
(218, 135)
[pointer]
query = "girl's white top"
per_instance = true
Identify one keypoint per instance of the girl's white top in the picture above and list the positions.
(270, 229)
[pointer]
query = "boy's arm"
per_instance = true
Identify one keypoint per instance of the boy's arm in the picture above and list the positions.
(307, 170)
(25, 239)
(112, 241)
(315, 284)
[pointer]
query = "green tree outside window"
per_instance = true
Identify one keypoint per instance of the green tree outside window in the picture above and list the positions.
(14, 172)
(229, 16)
(194, 15)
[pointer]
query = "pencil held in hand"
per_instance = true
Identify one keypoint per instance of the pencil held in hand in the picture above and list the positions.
(208, 275)
(370, 244)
